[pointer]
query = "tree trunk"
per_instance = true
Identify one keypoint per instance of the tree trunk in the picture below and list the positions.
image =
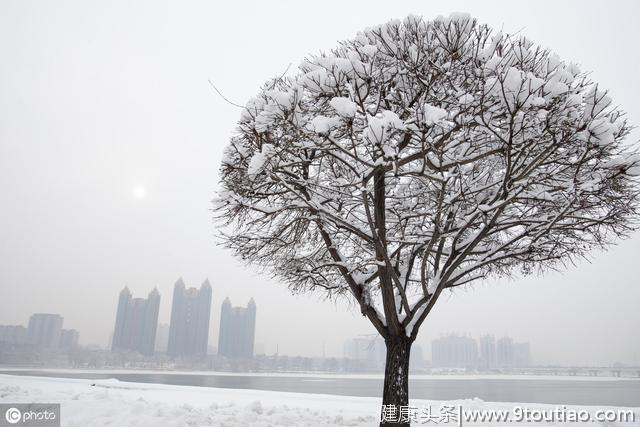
(396, 382)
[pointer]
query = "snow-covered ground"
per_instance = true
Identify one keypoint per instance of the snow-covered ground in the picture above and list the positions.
(124, 404)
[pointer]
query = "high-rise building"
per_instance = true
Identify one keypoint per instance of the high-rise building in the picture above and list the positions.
(13, 334)
(237, 330)
(69, 339)
(44, 330)
(521, 355)
(512, 354)
(504, 352)
(136, 322)
(488, 352)
(416, 359)
(162, 338)
(454, 351)
(190, 314)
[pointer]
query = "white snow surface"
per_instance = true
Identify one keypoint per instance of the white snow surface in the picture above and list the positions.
(344, 106)
(258, 161)
(433, 115)
(114, 403)
(123, 404)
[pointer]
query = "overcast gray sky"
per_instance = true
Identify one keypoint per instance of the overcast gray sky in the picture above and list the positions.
(111, 137)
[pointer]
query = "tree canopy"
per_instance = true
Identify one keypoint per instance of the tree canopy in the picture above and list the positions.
(420, 156)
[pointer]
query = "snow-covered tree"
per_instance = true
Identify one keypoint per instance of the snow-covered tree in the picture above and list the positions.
(421, 156)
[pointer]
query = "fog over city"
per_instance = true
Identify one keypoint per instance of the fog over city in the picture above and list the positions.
(111, 137)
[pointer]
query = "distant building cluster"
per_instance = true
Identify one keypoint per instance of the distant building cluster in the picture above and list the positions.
(44, 331)
(370, 354)
(13, 334)
(456, 351)
(137, 332)
(187, 334)
(366, 348)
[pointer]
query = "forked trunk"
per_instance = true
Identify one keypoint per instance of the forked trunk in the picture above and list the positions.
(395, 397)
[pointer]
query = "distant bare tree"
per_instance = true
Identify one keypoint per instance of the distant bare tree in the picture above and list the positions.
(418, 157)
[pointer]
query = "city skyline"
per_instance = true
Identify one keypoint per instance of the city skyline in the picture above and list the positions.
(9, 332)
(487, 352)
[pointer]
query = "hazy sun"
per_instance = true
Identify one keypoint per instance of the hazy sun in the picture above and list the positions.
(139, 191)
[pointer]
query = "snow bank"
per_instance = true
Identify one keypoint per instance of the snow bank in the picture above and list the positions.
(114, 403)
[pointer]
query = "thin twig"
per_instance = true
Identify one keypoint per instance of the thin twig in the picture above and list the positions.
(224, 97)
